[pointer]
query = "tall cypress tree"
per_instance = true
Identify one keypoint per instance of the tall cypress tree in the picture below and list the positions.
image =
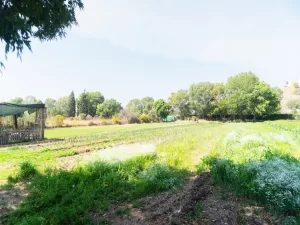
(71, 105)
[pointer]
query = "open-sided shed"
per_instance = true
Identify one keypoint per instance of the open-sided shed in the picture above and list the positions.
(35, 132)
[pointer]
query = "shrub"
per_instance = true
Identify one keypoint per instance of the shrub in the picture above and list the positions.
(104, 122)
(59, 120)
(82, 116)
(116, 119)
(144, 118)
(296, 85)
(132, 118)
(89, 117)
(91, 123)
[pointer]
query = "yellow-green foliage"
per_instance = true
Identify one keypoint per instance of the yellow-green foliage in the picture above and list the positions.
(144, 118)
(104, 122)
(59, 120)
(116, 119)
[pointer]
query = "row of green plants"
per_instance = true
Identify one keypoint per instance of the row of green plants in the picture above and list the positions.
(260, 166)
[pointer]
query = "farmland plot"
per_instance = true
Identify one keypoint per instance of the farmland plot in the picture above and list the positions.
(208, 173)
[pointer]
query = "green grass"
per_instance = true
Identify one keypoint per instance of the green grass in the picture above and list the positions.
(81, 131)
(256, 160)
(61, 197)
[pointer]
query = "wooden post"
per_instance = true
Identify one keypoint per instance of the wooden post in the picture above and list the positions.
(43, 123)
(16, 121)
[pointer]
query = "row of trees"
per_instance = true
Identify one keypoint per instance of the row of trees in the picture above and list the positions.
(241, 96)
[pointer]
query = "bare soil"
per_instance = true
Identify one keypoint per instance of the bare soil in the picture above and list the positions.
(10, 199)
(200, 202)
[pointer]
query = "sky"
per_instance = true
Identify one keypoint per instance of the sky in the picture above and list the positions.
(134, 48)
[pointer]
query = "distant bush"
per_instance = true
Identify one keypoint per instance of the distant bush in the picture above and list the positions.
(91, 123)
(104, 122)
(82, 116)
(116, 120)
(89, 117)
(296, 85)
(144, 118)
(132, 118)
(59, 120)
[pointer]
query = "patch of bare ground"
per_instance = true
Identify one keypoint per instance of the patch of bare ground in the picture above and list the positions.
(199, 202)
(10, 199)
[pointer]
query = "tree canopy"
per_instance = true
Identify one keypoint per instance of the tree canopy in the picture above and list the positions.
(108, 108)
(21, 21)
(180, 102)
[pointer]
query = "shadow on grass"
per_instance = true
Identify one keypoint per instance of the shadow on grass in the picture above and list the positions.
(274, 182)
(68, 197)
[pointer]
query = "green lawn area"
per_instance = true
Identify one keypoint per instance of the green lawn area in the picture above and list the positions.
(88, 130)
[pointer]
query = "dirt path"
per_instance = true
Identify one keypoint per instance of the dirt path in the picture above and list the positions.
(10, 199)
(119, 152)
(198, 203)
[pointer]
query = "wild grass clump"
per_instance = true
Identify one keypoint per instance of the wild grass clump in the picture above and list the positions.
(27, 171)
(68, 197)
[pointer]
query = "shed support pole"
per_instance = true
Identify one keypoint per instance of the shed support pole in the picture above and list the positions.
(16, 121)
(43, 123)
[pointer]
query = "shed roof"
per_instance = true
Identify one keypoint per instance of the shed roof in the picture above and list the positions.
(8, 109)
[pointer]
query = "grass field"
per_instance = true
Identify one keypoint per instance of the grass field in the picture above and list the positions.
(257, 161)
(86, 130)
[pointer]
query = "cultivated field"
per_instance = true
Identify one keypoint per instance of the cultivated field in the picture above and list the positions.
(174, 173)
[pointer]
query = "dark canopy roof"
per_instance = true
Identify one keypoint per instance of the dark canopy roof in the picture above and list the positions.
(8, 109)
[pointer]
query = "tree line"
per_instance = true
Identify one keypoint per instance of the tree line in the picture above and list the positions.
(243, 95)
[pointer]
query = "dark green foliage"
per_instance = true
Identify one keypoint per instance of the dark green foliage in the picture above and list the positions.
(71, 107)
(94, 99)
(162, 108)
(180, 102)
(62, 197)
(21, 21)
(108, 108)
(201, 97)
(83, 103)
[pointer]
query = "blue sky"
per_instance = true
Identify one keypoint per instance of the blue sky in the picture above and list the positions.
(131, 48)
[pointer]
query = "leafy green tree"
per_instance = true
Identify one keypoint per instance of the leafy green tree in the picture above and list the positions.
(238, 93)
(147, 103)
(61, 106)
(83, 103)
(94, 99)
(135, 106)
(201, 97)
(162, 108)
(21, 21)
(71, 107)
(180, 102)
(265, 100)
(50, 104)
(108, 108)
(17, 100)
